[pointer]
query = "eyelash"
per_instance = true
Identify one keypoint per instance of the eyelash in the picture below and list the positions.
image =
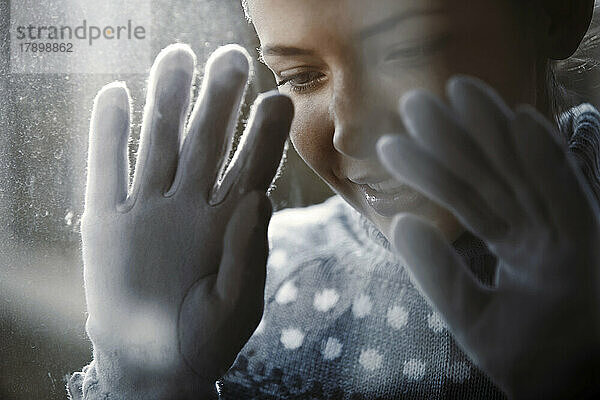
(311, 80)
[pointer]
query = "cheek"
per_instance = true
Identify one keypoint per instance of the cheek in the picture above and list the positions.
(312, 134)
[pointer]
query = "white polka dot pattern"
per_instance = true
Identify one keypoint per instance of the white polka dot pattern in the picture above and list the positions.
(435, 323)
(332, 349)
(278, 259)
(325, 300)
(414, 369)
(370, 359)
(292, 338)
(287, 293)
(361, 307)
(342, 319)
(397, 317)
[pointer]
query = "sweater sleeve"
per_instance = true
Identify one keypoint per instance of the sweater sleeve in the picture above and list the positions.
(85, 385)
(126, 374)
(583, 125)
(111, 383)
(75, 384)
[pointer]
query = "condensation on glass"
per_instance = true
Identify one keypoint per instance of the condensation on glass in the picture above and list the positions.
(44, 121)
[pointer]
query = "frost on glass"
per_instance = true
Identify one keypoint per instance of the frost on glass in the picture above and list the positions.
(44, 120)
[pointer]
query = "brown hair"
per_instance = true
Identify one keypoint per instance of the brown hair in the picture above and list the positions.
(577, 79)
(571, 81)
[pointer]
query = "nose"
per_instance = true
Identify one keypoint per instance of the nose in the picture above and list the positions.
(362, 113)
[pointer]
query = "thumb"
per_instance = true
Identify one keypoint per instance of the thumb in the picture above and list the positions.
(439, 273)
(242, 271)
(213, 334)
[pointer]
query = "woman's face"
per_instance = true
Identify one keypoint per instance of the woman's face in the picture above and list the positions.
(347, 63)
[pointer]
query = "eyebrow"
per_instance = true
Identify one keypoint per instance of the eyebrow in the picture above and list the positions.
(375, 29)
(283, 51)
(391, 22)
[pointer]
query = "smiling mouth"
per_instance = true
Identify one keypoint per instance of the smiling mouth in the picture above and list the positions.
(390, 197)
(391, 186)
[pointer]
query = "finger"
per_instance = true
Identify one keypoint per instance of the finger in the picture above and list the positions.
(488, 120)
(213, 121)
(260, 150)
(407, 162)
(548, 167)
(108, 167)
(440, 274)
(245, 250)
(166, 107)
(439, 133)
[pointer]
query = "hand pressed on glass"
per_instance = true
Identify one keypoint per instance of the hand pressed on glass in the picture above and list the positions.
(174, 282)
(507, 179)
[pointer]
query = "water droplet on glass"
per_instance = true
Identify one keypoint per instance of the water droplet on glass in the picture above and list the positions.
(69, 218)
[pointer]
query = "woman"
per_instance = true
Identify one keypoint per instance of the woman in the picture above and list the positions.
(175, 269)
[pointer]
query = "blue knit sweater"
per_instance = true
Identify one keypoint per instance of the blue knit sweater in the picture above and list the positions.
(342, 319)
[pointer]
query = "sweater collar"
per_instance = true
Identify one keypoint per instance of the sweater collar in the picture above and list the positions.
(474, 252)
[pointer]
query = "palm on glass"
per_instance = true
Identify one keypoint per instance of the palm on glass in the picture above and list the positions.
(507, 179)
(175, 269)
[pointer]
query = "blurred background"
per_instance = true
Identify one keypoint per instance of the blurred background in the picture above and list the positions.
(44, 123)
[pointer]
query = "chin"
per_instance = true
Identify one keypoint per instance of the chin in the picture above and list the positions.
(381, 209)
